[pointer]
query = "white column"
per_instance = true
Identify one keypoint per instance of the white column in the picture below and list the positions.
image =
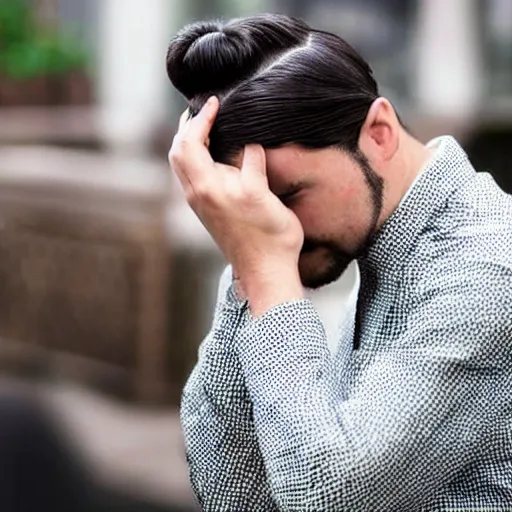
(448, 79)
(235, 8)
(133, 88)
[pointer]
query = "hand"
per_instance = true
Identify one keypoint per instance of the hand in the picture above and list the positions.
(258, 235)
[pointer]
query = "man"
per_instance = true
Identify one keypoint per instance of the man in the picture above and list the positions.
(297, 166)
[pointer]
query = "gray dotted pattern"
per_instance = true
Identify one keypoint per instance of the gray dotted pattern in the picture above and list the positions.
(418, 418)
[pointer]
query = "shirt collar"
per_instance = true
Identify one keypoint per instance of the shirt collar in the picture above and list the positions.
(448, 169)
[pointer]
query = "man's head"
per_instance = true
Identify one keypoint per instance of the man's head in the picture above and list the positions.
(311, 101)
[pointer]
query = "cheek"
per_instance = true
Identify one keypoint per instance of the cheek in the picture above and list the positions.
(315, 216)
(350, 193)
(328, 218)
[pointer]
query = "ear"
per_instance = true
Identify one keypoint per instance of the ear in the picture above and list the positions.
(379, 137)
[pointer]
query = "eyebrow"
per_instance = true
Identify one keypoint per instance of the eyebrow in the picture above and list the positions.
(292, 188)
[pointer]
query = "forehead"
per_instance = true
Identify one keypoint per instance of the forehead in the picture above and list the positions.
(294, 163)
(288, 159)
(290, 163)
(286, 163)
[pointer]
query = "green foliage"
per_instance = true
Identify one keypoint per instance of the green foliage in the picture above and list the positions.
(28, 52)
(62, 53)
(16, 22)
(23, 61)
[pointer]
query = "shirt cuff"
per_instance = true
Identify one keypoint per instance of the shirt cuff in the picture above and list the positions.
(292, 331)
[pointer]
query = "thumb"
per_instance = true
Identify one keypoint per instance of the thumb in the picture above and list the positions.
(254, 166)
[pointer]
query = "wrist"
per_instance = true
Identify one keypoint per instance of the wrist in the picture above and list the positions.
(269, 286)
(238, 288)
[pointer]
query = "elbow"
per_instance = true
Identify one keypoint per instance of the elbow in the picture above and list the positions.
(299, 482)
(324, 481)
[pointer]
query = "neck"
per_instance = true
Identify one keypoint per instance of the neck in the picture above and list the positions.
(403, 169)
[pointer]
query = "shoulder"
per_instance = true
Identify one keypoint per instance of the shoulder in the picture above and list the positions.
(468, 247)
(472, 298)
(463, 313)
(471, 278)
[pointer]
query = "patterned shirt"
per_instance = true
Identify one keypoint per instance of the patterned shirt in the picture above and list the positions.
(412, 413)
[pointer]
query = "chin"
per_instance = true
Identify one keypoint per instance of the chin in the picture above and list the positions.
(320, 267)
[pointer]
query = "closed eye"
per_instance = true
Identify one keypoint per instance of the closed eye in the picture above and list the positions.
(290, 194)
(288, 198)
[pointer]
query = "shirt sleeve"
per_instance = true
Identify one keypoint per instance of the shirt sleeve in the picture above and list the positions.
(421, 408)
(225, 463)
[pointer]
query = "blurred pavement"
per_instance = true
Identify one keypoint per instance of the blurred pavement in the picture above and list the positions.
(134, 449)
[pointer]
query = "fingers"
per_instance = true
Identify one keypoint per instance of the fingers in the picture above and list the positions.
(183, 119)
(189, 156)
(200, 126)
(254, 167)
(254, 159)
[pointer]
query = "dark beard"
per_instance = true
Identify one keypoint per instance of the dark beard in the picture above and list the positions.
(339, 260)
(337, 264)
(376, 186)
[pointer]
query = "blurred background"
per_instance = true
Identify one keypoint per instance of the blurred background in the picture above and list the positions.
(107, 281)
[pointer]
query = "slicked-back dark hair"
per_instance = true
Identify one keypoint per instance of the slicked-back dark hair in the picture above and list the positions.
(278, 80)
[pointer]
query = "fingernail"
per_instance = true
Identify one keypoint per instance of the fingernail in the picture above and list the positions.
(211, 101)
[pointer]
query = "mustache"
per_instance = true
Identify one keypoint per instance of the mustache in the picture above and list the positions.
(310, 245)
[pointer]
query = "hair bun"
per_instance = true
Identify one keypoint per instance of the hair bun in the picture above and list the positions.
(209, 57)
(206, 57)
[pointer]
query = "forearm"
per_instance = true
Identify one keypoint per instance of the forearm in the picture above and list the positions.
(225, 464)
(226, 467)
(288, 372)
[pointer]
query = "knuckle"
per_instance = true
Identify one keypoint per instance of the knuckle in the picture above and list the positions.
(184, 144)
(174, 156)
(203, 192)
(190, 198)
(238, 197)
(178, 150)
(252, 195)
